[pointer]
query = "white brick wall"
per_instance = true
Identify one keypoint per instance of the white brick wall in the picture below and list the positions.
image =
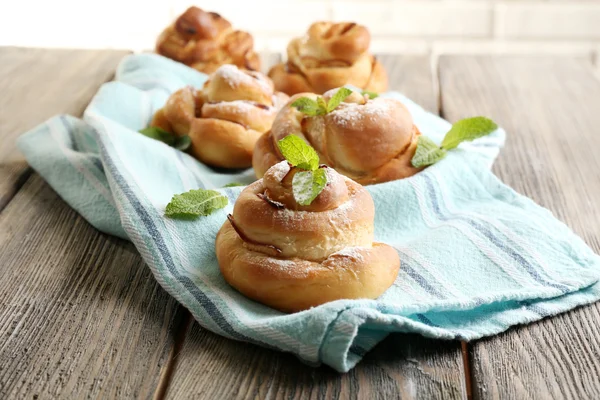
(404, 26)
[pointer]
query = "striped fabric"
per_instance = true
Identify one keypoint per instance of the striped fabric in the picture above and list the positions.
(476, 256)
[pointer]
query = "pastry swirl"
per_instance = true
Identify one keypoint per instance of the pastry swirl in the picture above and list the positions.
(293, 257)
(368, 140)
(330, 55)
(224, 119)
(205, 40)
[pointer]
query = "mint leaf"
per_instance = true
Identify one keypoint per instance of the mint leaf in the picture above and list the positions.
(308, 106)
(298, 153)
(372, 95)
(466, 130)
(307, 185)
(182, 142)
(195, 203)
(159, 134)
(337, 98)
(427, 153)
(322, 105)
(234, 184)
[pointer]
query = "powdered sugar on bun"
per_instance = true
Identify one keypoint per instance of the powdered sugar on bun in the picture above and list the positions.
(293, 257)
(368, 140)
(226, 118)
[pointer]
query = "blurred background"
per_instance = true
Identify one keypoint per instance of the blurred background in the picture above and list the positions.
(407, 26)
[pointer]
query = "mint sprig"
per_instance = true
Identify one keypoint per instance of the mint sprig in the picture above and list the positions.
(307, 184)
(195, 203)
(427, 153)
(313, 108)
(337, 98)
(465, 130)
(372, 95)
(298, 153)
(179, 142)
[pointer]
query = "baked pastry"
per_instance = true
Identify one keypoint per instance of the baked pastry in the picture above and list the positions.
(292, 257)
(205, 40)
(224, 119)
(368, 140)
(330, 55)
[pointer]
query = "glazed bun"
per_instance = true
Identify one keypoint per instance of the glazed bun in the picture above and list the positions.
(224, 119)
(369, 141)
(293, 257)
(330, 55)
(205, 40)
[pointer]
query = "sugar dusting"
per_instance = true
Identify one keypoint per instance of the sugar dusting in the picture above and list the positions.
(235, 77)
(354, 252)
(243, 106)
(348, 114)
(279, 170)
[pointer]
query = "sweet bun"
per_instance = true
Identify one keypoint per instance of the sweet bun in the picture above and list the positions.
(205, 40)
(293, 257)
(368, 140)
(224, 119)
(330, 55)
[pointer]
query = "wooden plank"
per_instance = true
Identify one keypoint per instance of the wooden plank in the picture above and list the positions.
(37, 84)
(402, 366)
(80, 313)
(549, 107)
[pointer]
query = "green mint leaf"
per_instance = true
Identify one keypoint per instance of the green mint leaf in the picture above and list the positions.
(307, 106)
(159, 134)
(234, 184)
(372, 95)
(322, 105)
(195, 203)
(427, 153)
(337, 98)
(298, 153)
(307, 185)
(182, 142)
(466, 130)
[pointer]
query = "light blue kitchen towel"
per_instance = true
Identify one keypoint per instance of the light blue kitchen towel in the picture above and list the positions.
(476, 257)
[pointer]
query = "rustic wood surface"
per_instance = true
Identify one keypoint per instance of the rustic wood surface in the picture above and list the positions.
(37, 84)
(402, 366)
(81, 316)
(550, 109)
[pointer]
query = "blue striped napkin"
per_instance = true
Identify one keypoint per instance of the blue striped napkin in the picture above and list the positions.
(476, 257)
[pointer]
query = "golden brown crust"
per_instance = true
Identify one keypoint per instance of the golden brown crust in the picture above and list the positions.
(369, 141)
(224, 119)
(330, 55)
(205, 40)
(293, 257)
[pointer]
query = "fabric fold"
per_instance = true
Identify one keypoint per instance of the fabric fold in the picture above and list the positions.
(476, 257)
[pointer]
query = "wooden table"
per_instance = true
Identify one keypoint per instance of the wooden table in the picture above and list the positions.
(82, 317)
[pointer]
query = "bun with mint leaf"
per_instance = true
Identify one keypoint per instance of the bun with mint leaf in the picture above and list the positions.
(222, 121)
(329, 55)
(367, 138)
(303, 235)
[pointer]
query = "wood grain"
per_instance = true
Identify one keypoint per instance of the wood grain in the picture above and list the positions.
(37, 84)
(402, 366)
(81, 316)
(80, 313)
(550, 109)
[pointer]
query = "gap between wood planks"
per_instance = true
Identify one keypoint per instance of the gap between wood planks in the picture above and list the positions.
(165, 378)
